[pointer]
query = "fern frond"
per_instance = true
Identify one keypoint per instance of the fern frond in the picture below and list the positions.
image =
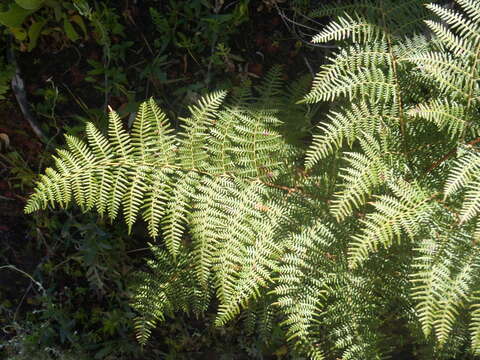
(445, 114)
(271, 88)
(370, 83)
(191, 151)
(471, 203)
(454, 43)
(177, 210)
(239, 217)
(115, 194)
(465, 169)
(352, 58)
(207, 221)
(472, 8)
(467, 29)
(159, 293)
(234, 271)
(98, 142)
(445, 271)
(300, 288)
(403, 214)
(360, 178)
(134, 197)
(346, 27)
(334, 10)
(346, 127)
(257, 145)
(447, 71)
(151, 135)
(118, 136)
(162, 135)
(475, 324)
(157, 197)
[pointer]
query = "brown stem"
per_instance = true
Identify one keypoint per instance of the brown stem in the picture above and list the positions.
(448, 155)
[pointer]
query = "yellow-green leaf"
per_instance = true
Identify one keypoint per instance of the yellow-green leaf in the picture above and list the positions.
(14, 17)
(70, 30)
(79, 21)
(34, 32)
(30, 4)
(19, 33)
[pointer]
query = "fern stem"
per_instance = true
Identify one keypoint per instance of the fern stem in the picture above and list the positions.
(394, 61)
(448, 156)
(471, 87)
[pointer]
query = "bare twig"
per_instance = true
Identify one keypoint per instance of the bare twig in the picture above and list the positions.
(448, 155)
(18, 89)
(11, 267)
(286, 20)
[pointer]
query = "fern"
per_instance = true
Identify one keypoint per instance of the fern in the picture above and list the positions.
(356, 229)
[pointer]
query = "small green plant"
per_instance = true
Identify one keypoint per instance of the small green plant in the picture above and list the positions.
(47, 17)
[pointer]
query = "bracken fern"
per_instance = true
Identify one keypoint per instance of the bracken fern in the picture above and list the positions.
(357, 237)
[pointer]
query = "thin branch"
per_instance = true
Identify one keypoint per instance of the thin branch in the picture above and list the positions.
(11, 267)
(18, 89)
(448, 155)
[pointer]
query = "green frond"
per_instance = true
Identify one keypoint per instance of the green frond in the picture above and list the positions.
(143, 328)
(151, 135)
(352, 58)
(98, 142)
(159, 294)
(143, 135)
(471, 203)
(346, 127)
(404, 213)
(205, 110)
(254, 272)
(119, 138)
(425, 280)
(191, 150)
(116, 192)
(222, 143)
(371, 83)
(177, 210)
(453, 42)
(475, 325)
(300, 288)
(465, 169)
(79, 150)
(340, 235)
(157, 196)
(445, 270)
(447, 71)
(161, 135)
(134, 197)
(356, 28)
(397, 17)
(257, 145)
(452, 303)
(445, 114)
(245, 228)
(334, 10)
(359, 179)
(207, 221)
(472, 8)
(271, 87)
(467, 29)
